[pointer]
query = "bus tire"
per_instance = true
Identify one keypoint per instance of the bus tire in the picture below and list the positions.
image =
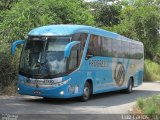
(86, 92)
(46, 98)
(130, 86)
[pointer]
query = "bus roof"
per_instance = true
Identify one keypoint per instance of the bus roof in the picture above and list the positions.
(66, 30)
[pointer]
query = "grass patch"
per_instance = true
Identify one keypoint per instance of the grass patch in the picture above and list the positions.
(150, 106)
(151, 71)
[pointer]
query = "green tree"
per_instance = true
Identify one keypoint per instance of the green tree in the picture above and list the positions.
(7, 4)
(28, 14)
(140, 20)
(25, 15)
(4, 6)
(106, 14)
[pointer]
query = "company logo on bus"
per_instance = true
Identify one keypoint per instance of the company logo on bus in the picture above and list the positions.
(119, 74)
(98, 63)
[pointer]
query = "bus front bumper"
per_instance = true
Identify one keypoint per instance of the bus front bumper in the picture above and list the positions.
(54, 92)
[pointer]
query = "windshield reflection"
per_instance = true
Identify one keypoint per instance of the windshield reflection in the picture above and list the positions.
(44, 56)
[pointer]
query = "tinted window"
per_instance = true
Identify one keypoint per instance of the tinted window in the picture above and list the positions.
(103, 46)
(116, 48)
(124, 49)
(134, 51)
(73, 59)
(94, 47)
(82, 37)
(139, 51)
(106, 47)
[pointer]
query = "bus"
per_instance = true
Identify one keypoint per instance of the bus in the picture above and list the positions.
(65, 61)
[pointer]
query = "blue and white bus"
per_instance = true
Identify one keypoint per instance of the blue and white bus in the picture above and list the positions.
(64, 61)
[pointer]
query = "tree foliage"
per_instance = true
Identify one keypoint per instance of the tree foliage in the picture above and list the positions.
(106, 14)
(141, 21)
(27, 14)
(7, 4)
(138, 20)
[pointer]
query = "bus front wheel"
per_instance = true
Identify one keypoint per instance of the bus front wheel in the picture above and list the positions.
(86, 92)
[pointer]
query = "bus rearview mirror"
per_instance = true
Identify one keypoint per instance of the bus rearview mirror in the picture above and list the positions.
(69, 47)
(14, 45)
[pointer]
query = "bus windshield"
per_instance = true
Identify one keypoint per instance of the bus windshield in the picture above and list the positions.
(44, 56)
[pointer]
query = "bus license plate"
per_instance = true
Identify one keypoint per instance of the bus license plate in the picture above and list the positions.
(37, 92)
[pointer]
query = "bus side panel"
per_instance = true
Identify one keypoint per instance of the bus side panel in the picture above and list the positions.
(135, 70)
(99, 70)
(138, 76)
(120, 72)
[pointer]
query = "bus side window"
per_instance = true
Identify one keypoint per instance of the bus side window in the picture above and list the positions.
(133, 51)
(82, 37)
(116, 48)
(125, 49)
(139, 51)
(94, 47)
(73, 59)
(106, 46)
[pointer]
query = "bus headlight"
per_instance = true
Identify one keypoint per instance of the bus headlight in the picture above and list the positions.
(62, 92)
(61, 83)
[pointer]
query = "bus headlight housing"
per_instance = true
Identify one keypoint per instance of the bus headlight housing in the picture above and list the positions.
(61, 83)
(44, 83)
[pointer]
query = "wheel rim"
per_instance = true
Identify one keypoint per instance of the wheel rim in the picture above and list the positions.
(130, 86)
(86, 92)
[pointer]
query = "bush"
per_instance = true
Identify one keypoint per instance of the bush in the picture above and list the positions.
(140, 103)
(8, 67)
(151, 71)
(150, 106)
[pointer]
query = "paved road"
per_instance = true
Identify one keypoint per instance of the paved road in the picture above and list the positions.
(108, 103)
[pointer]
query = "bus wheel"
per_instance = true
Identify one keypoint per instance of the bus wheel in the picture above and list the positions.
(45, 98)
(86, 92)
(130, 86)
